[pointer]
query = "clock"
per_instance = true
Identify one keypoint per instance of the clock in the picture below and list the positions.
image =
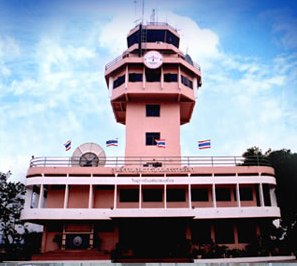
(153, 59)
(89, 159)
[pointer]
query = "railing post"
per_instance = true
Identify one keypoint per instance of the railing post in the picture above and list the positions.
(211, 161)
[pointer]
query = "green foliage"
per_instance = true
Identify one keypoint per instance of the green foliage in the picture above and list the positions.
(11, 204)
(18, 243)
(284, 163)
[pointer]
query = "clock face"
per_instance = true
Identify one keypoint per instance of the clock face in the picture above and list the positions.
(153, 59)
(89, 159)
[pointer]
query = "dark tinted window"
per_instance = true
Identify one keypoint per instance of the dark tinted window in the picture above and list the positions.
(134, 38)
(153, 75)
(176, 195)
(150, 138)
(152, 110)
(187, 82)
(168, 77)
(119, 81)
(135, 77)
(246, 193)
(266, 194)
(152, 195)
(199, 194)
(223, 194)
(129, 195)
(154, 36)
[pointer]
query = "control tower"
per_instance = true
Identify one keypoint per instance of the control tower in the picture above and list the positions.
(152, 87)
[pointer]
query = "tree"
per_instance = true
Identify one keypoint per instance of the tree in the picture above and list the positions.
(284, 163)
(11, 204)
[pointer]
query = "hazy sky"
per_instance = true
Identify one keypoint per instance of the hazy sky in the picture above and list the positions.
(52, 87)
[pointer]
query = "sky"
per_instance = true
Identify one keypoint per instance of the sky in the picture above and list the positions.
(52, 86)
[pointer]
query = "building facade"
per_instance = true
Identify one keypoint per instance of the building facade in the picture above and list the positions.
(152, 202)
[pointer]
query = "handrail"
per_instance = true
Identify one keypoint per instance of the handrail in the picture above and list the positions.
(153, 161)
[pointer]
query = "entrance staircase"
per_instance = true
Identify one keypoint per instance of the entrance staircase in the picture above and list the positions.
(90, 254)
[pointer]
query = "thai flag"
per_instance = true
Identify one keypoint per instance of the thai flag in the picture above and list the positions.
(204, 144)
(161, 143)
(112, 142)
(67, 145)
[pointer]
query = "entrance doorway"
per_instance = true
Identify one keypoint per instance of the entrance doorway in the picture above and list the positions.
(153, 238)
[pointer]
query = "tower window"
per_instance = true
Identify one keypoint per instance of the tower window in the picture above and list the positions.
(168, 77)
(119, 81)
(135, 77)
(187, 82)
(150, 138)
(153, 75)
(152, 110)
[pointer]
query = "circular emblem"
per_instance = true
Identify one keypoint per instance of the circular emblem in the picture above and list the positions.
(153, 59)
(77, 241)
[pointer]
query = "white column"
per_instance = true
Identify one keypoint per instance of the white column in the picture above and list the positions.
(28, 197)
(66, 196)
(190, 196)
(214, 195)
(165, 196)
(115, 196)
(90, 196)
(261, 195)
(140, 196)
(40, 196)
(273, 197)
(238, 195)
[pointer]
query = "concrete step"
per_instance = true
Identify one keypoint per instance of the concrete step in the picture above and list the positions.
(92, 254)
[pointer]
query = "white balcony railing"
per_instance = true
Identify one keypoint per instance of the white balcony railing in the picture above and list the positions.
(154, 161)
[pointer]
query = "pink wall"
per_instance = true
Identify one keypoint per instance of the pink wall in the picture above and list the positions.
(103, 198)
(50, 245)
(55, 198)
(137, 124)
(78, 197)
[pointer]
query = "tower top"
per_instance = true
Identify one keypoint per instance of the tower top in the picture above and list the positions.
(153, 32)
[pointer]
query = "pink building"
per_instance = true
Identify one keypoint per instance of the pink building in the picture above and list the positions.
(151, 203)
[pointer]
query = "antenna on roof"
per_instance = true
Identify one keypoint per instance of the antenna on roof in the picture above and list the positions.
(153, 16)
(142, 12)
